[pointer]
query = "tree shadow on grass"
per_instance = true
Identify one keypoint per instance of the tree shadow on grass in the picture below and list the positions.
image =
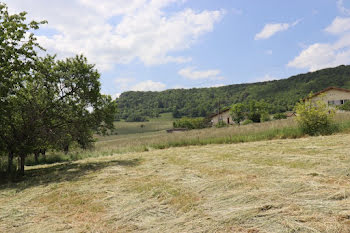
(58, 173)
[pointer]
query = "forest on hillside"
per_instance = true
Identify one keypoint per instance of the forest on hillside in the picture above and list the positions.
(200, 102)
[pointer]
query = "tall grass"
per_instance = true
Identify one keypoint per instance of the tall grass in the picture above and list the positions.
(119, 144)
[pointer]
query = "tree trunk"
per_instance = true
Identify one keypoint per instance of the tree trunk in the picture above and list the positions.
(66, 149)
(10, 161)
(43, 152)
(21, 171)
(36, 157)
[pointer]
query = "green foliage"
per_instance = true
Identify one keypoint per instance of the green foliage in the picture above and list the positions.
(247, 122)
(221, 124)
(136, 118)
(191, 123)
(265, 117)
(279, 116)
(45, 103)
(257, 109)
(315, 117)
(282, 95)
(345, 106)
(238, 112)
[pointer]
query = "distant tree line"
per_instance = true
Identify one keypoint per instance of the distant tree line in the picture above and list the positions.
(45, 103)
(282, 95)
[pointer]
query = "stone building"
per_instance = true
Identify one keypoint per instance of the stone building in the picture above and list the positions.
(223, 115)
(333, 96)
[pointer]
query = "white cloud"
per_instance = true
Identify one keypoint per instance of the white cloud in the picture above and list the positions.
(323, 55)
(119, 31)
(273, 28)
(339, 26)
(191, 73)
(149, 85)
(266, 78)
(116, 95)
(123, 83)
(342, 8)
(269, 52)
(128, 84)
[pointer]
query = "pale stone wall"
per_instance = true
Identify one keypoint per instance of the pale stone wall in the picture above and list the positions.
(224, 116)
(333, 95)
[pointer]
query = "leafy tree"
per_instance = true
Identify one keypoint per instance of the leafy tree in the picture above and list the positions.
(18, 53)
(315, 117)
(257, 109)
(238, 112)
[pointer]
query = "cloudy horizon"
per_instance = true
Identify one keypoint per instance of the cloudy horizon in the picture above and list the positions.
(153, 45)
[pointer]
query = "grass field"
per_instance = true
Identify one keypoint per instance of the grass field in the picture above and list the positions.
(157, 138)
(165, 121)
(292, 185)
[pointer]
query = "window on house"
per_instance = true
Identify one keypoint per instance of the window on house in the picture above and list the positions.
(341, 101)
(331, 102)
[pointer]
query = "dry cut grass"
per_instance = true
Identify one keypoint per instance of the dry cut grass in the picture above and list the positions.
(299, 185)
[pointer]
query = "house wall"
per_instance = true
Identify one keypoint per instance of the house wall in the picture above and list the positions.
(224, 116)
(333, 95)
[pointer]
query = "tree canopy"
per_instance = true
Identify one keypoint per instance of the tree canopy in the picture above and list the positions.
(282, 95)
(45, 102)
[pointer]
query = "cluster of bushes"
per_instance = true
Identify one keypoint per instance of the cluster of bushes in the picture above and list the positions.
(136, 118)
(255, 111)
(279, 116)
(191, 123)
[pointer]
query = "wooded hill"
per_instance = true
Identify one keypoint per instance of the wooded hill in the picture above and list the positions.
(281, 94)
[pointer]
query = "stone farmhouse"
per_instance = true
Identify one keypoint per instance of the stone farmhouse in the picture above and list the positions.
(223, 115)
(333, 96)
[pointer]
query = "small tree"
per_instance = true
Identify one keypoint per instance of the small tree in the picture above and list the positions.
(237, 112)
(315, 117)
(256, 109)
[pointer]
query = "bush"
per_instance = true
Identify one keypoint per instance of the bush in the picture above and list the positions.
(254, 117)
(247, 122)
(221, 124)
(136, 118)
(279, 116)
(345, 107)
(265, 117)
(191, 123)
(315, 118)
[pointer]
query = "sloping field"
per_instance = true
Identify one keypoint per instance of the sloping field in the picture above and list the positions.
(300, 185)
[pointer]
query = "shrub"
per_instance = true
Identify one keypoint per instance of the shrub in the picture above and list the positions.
(279, 116)
(247, 122)
(191, 123)
(221, 124)
(345, 107)
(315, 117)
(136, 118)
(265, 117)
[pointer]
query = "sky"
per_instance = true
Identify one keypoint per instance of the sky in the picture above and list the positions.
(153, 45)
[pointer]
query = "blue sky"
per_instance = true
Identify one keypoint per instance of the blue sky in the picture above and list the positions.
(162, 44)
